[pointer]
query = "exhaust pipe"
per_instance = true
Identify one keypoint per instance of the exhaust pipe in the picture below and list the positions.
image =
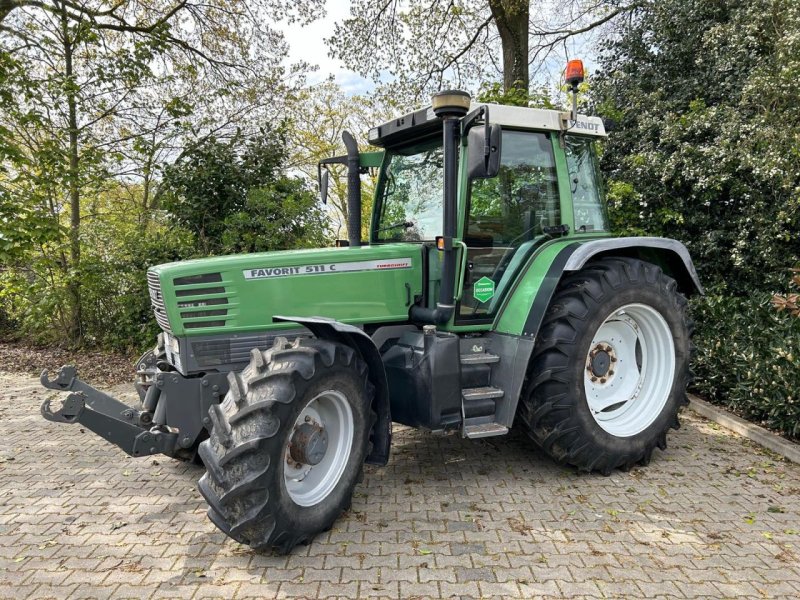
(450, 106)
(353, 190)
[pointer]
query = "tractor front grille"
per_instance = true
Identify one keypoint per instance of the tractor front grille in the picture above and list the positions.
(232, 351)
(157, 300)
(202, 301)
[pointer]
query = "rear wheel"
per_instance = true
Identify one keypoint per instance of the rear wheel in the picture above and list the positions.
(288, 443)
(610, 367)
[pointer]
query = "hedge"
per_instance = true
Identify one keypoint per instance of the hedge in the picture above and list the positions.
(748, 359)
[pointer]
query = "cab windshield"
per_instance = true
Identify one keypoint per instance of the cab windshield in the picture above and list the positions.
(410, 197)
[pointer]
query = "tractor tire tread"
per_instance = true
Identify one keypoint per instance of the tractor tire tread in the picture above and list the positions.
(244, 436)
(546, 408)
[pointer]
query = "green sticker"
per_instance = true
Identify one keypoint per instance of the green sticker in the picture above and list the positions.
(483, 289)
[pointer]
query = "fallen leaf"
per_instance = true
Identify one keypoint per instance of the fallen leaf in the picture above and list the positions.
(519, 525)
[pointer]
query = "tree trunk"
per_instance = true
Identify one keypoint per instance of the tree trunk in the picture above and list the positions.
(73, 185)
(511, 18)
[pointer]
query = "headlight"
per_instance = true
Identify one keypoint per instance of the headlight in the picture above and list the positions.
(172, 343)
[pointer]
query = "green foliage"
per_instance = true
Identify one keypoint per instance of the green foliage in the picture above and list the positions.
(706, 147)
(537, 97)
(281, 215)
(211, 190)
(748, 356)
(705, 97)
(116, 252)
(117, 312)
(23, 228)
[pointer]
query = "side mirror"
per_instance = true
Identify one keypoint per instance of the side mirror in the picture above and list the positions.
(323, 186)
(483, 160)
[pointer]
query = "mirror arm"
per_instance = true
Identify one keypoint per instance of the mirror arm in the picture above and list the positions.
(473, 117)
(487, 143)
(468, 122)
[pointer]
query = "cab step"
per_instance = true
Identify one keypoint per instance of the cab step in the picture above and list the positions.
(479, 358)
(484, 430)
(481, 393)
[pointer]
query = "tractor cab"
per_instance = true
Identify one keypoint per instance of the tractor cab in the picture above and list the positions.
(545, 186)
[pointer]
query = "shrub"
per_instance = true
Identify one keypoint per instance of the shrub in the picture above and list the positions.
(748, 359)
(116, 302)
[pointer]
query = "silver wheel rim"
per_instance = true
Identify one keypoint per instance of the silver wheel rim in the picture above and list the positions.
(636, 342)
(311, 484)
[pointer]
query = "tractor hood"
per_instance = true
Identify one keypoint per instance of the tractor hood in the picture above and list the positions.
(227, 294)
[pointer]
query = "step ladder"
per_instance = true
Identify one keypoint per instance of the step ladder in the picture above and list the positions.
(479, 397)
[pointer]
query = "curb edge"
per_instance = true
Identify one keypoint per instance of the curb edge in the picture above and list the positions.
(789, 450)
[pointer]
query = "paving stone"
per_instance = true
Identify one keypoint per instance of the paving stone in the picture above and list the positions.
(447, 517)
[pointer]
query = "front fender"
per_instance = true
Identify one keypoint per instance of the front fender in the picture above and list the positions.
(335, 331)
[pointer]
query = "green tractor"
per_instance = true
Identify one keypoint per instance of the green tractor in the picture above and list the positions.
(490, 293)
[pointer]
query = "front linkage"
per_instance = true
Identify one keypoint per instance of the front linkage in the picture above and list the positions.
(128, 428)
(170, 420)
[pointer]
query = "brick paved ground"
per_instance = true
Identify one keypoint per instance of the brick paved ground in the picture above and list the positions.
(713, 516)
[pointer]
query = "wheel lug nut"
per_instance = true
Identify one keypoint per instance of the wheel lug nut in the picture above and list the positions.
(594, 378)
(308, 419)
(603, 380)
(611, 372)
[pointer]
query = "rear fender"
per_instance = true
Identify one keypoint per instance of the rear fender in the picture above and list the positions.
(523, 310)
(670, 255)
(335, 331)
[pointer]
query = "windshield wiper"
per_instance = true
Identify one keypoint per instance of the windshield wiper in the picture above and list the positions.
(406, 224)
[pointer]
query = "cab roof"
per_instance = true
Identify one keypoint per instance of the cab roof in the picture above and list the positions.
(423, 122)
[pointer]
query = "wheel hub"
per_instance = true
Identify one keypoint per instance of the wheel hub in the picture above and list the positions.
(600, 362)
(318, 448)
(309, 444)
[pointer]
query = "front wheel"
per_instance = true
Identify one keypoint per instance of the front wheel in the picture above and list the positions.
(288, 443)
(610, 367)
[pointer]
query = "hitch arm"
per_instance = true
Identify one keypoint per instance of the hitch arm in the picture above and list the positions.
(109, 418)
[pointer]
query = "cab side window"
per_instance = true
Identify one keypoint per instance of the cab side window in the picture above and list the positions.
(585, 183)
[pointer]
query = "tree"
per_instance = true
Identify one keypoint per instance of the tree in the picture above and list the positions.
(319, 116)
(99, 92)
(423, 46)
(705, 99)
(233, 197)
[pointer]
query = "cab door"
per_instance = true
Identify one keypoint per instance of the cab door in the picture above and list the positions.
(507, 218)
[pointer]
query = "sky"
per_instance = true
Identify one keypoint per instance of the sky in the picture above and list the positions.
(307, 43)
